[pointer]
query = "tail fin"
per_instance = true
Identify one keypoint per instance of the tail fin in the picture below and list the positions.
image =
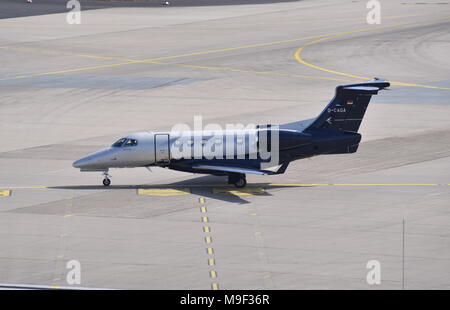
(346, 110)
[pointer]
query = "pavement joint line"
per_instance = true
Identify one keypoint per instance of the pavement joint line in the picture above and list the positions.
(298, 52)
(323, 37)
(424, 3)
(260, 246)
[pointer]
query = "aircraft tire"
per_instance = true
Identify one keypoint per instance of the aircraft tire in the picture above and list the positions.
(242, 182)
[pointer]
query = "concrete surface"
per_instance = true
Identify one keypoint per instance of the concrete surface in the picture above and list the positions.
(70, 89)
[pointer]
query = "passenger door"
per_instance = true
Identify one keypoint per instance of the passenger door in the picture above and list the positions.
(162, 150)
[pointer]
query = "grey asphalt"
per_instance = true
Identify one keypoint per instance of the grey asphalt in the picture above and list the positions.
(21, 8)
(68, 90)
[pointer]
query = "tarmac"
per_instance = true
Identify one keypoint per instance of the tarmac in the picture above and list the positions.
(68, 90)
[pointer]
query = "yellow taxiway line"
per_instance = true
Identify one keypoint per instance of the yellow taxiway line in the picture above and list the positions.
(23, 187)
(251, 190)
(161, 189)
(298, 52)
(263, 44)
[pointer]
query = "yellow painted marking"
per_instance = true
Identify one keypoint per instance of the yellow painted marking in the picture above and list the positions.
(210, 251)
(201, 200)
(240, 192)
(299, 184)
(208, 239)
(203, 209)
(56, 286)
(213, 274)
(62, 235)
(22, 187)
(67, 71)
(211, 262)
(299, 58)
(206, 229)
(69, 215)
(252, 214)
(163, 192)
(214, 286)
(5, 193)
(234, 48)
(385, 184)
(354, 184)
(205, 219)
(230, 190)
(154, 60)
(215, 68)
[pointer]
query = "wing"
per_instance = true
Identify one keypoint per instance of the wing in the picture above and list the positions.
(236, 169)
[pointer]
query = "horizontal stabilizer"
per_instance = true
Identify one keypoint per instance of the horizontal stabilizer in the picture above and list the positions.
(362, 89)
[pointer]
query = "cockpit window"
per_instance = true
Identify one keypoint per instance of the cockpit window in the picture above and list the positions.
(131, 142)
(119, 142)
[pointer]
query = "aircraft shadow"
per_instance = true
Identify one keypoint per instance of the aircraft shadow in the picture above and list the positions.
(200, 186)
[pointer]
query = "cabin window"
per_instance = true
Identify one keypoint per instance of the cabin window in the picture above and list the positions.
(131, 142)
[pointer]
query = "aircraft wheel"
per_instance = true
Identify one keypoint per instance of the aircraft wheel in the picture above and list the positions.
(106, 182)
(242, 182)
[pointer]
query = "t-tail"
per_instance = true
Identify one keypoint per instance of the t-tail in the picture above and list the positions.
(346, 111)
(335, 130)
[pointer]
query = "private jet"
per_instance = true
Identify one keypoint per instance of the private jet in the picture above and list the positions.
(259, 149)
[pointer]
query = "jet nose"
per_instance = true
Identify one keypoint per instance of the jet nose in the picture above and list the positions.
(81, 163)
(97, 160)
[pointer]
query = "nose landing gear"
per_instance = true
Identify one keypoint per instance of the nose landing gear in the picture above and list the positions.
(106, 179)
(238, 179)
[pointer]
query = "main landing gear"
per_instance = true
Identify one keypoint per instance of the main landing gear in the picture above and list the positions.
(106, 179)
(238, 179)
